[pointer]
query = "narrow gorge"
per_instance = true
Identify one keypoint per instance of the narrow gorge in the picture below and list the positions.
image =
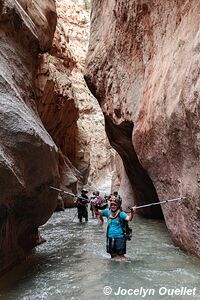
(52, 128)
(96, 90)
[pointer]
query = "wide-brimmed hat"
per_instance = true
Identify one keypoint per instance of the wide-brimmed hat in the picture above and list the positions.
(84, 191)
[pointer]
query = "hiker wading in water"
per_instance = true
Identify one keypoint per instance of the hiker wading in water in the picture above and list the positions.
(97, 205)
(82, 203)
(116, 240)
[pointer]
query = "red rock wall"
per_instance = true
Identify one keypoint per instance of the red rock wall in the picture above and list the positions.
(28, 155)
(58, 111)
(57, 101)
(143, 67)
(67, 109)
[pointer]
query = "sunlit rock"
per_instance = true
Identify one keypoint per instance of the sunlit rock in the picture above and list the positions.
(68, 111)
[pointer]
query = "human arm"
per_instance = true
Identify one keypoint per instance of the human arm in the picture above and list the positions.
(83, 201)
(130, 216)
(103, 212)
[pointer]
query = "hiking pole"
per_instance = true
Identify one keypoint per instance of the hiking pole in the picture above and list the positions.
(63, 191)
(75, 216)
(160, 202)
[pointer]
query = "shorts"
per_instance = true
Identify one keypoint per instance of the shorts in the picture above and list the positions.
(117, 245)
(82, 212)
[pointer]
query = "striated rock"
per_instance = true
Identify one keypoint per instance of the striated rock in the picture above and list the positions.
(143, 67)
(41, 17)
(120, 137)
(70, 177)
(121, 183)
(94, 157)
(28, 155)
(57, 105)
(68, 111)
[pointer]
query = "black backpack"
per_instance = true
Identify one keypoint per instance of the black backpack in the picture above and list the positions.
(126, 229)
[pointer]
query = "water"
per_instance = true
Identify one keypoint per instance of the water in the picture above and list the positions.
(73, 264)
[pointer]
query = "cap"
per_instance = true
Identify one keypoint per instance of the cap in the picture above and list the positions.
(84, 191)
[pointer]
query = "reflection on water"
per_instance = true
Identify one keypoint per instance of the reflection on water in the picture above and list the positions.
(73, 264)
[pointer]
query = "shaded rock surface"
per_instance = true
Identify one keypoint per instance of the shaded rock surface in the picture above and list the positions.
(28, 155)
(68, 111)
(143, 67)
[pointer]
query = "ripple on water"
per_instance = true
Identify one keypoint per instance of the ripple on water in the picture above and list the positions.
(73, 263)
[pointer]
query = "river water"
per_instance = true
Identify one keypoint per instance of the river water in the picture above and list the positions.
(73, 264)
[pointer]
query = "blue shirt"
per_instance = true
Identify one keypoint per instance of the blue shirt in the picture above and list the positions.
(114, 225)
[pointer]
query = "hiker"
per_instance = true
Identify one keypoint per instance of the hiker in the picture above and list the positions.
(92, 203)
(117, 196)
(98, 205)
(116, 235)
(82, 202)
(99, 200)
(108, 199)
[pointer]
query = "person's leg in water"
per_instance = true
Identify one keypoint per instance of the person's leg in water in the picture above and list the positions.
(118, 249)
(98, 216)
(121, 248)
(100, 219)
(86, 215)
(117, 256)
(92, 210)
(80, 215)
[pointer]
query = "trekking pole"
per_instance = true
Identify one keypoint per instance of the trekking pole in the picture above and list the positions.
(160, 202)
(65, 192)
(75, 216)
(60, 190)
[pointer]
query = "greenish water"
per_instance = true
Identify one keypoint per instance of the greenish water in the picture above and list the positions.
(73, 264)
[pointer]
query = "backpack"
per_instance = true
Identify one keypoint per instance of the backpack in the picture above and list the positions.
(99, 200)
(127, 231)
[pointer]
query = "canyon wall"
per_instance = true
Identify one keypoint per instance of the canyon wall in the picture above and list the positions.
(67, 109)
(28, 155)
(143, 67)
(52, 128)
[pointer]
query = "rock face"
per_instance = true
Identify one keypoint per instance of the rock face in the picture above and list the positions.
(28, 155)
(143, 67)
(69, 112)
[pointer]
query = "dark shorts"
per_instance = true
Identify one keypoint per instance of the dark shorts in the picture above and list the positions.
(117, 246)
(82, 213)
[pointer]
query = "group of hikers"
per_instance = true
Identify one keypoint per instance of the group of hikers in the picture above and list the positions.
(118, 231)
